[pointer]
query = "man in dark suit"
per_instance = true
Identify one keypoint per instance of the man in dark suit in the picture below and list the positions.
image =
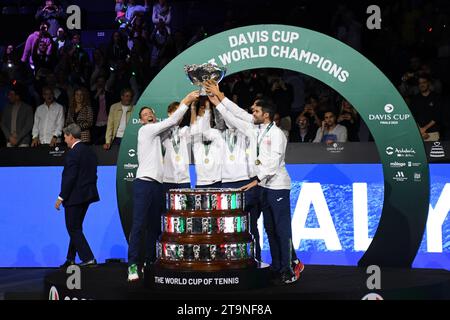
(78, 191)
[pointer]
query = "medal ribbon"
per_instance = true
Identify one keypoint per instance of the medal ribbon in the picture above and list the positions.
(262, 137)
(175, 138)
(231, 139)
(207, 146)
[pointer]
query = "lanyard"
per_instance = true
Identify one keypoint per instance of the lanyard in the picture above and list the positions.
(163, 149)
(175, 138)
(231, 139)
(262, 137)
(207, 146)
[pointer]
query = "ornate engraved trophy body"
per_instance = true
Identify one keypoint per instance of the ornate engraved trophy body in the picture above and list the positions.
(206, 230)
(197, 74)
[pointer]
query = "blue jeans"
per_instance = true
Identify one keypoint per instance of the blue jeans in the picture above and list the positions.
(253, 207)
(277, 223)
(147, 204)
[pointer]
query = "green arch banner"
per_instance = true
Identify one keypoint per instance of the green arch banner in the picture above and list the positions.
(353, 76)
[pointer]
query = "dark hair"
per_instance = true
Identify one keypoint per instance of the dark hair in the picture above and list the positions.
(143, 108)
(312, 96)
(267, 107)
(125, 90)
(328, 111)
(173, 107)
(45, 22)
(19, 90)
(46, 88)
(423, 76)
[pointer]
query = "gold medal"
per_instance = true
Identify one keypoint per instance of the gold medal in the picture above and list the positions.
(257, 162)
(206, 160)
(177, 158)
(232, 157)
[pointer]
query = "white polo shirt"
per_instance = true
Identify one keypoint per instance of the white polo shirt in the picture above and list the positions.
(176, 146)
(207, 147)
(272, 147)
(149, 146)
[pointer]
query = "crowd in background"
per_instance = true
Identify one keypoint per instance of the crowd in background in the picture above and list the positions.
(50, 79)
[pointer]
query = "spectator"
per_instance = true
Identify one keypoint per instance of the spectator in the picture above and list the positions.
(10, 62)
(118, 117)
(9, 57)
(78, 62)
(245, 90)
(282, 95)
(349, 118)
(120, 78)
(61, 40)
(295, 79)
(17, 119)
(160, 39)
(427, 111)
(80, 113)
(42, 58)
(126, 12)
(51, 14)
(330, 131)
(409, 86)
(59, 92)
(117, 49)
(310, 112)
(277, 120)
(48, 121)
(303, 131)
(100, 67)
(138, 31)
(101, 102)
(162, 12)
(33, 41)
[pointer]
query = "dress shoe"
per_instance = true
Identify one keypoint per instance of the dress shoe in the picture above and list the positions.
(89, 263)
(67, 263)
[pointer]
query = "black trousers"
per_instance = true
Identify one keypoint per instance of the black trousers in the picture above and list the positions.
(74, 223)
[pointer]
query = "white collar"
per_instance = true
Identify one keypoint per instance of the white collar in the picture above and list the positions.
(75, 144)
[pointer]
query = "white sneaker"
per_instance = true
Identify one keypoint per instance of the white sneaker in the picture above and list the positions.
(133, 273)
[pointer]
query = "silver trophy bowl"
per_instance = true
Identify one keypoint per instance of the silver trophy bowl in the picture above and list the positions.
(197, 74)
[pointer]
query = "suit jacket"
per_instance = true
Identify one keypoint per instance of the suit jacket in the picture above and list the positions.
(24, 123)
(115, 114)
(79, 178)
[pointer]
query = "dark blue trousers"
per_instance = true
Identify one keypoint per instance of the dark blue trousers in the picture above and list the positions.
(148, 202)
(167, 186)
(74, 223)
(213, 185)
(253, 207)
(275, 205)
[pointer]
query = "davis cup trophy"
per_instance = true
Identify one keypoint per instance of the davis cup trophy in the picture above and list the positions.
(203, 72)
(206, 243)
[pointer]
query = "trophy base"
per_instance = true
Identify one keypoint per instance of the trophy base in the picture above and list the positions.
(158, 277)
